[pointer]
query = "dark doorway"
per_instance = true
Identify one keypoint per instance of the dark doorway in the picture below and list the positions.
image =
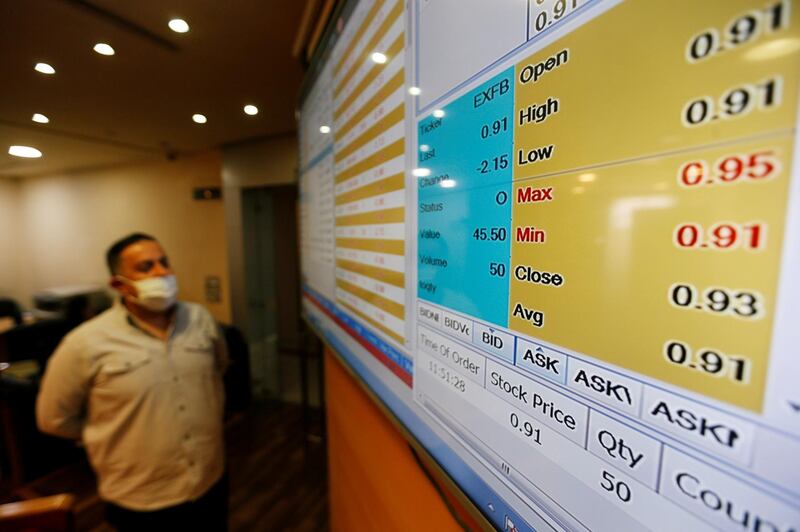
(272, 281)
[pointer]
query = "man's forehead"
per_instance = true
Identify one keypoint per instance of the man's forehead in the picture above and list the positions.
(142, 250)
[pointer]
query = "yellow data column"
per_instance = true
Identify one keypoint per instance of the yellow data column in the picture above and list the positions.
(369, 155)
(648, 218)
(614, 91)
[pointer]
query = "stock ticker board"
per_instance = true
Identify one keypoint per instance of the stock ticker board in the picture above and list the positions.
(560, 240)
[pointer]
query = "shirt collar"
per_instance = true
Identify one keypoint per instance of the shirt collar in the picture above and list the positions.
(176, 322)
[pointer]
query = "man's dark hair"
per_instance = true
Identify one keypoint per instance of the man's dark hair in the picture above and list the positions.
(116, 249)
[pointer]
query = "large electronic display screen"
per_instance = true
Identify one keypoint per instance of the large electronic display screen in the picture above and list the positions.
(560, 240)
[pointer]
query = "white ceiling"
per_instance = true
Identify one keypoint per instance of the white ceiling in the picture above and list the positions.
(138, 103)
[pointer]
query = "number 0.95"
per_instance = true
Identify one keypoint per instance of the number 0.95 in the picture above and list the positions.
(755, 167)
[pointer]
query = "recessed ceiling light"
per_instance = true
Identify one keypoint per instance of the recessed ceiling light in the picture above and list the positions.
(324, 129)
(200, 119)
(103, 49)
(24, 151)
(44, 68)
(438, 113)
(414, 91)
(251, 110)
(448, 183)
(40, 118)
(178, 25)
(379, 58)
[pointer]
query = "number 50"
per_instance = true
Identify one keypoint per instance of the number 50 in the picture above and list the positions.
(497, 269)
(618, 487)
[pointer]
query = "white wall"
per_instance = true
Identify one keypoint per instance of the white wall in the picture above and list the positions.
(11, 251)
(68, 221)
(271, 161)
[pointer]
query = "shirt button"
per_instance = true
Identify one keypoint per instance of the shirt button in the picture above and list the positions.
(191, 463)
(186, 436)
(175, 379)
(181, 408)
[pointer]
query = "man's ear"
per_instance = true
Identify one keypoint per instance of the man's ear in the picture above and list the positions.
(116, 283)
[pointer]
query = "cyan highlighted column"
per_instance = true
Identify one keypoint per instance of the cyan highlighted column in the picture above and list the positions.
(464, 201)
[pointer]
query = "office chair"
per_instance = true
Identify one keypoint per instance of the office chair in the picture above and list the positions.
(10, 309)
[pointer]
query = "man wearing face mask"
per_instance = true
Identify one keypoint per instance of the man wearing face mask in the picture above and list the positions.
(141, 386)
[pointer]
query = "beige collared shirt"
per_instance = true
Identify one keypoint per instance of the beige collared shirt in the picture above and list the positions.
(149, 411)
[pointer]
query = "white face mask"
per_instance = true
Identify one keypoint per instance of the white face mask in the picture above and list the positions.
(154, 293)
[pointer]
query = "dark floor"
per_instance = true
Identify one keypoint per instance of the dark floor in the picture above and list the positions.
(277, 467)
(278, 472)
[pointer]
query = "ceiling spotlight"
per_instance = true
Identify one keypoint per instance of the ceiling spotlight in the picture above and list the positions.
(24, 151)
(40, 118)
(44, 68)
(424, 148)
(324, 129)
(251, 110)
(178, 25)
(414, 91)
(103, 49)
(199, 119)
(378, 57)
(438, 113)
(587, 178)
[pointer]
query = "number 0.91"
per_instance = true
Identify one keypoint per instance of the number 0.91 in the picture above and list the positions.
(560, 8)
(720, 236)
(743, 29)
(707, 360)
(734, 103)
